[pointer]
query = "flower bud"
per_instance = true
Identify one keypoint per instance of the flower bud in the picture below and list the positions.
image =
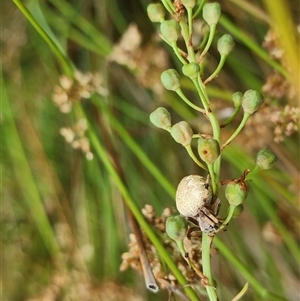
(188, 3)
(176, 227)
(237, 99)
(208, 149)
(170, 79)
(211, 13)
(182, 133)
(161, 118)
(238, 210)
(251, 102)
(265, 158)
(191, 70)
(236, 192)
(156, 12)
(225, 44)
(170, 30)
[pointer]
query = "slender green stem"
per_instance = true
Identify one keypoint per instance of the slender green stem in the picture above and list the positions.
(192, 155)
(213, 179)
(206, 246)
(199, 8)
(229, 119)
(184, 98)
(236, 132)
(188, 41)
(177, 52)
(25, 178)
(253, 173)
(201, 94)
(190, 22)
(57, 50)
(248, 41)
(169, 6)
(188, 260)
(228, 217)
(102, 154)
(214, 123)
(206, 104)
(137, 150)
(218, 69)
(212, 30)
(242, 268)
(241, 293)
(88, 30)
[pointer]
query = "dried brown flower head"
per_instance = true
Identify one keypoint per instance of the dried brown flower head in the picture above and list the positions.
(76, 137)
(146, 62)
(73, 90)
(165, 279)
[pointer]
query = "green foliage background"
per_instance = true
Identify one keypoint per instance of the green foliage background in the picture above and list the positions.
(63, 215)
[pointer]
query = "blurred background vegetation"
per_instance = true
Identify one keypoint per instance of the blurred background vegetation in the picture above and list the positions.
(63, 223)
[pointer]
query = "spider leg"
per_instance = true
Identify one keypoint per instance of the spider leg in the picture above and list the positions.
(215, 207)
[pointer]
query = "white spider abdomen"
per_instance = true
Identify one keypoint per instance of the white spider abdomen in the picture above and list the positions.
(192, 195)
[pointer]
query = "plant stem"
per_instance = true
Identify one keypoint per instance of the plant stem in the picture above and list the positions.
(54, 46)
(213, 179)
(192, 155)
(228, 217)
(136, 149)
(169, 6)
(190, 22)
(188, 41)
(212, 30)
(236, 132)
(188, 102)
(102, 154)
(217, 71)
(214, 123)
(229, 119)
(248, 41)
(206, 245)
(256, 285)
(176, 50)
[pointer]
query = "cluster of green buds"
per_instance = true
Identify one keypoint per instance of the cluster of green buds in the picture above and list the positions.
(194, 59)
(181, 131)
(209, 146)
(236, 191)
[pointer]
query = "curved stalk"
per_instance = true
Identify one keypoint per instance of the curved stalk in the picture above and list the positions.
(236, 132)
(192, 155)
(206, 246)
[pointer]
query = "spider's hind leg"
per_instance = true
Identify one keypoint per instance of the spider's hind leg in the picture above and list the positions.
(215, 207)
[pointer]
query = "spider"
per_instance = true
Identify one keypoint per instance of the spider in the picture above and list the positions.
(194, 201)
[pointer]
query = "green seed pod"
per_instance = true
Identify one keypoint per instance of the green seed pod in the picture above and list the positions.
(236, 192)
(182, 133)
(251, 102)
(225, 44)
(237, 99)
(238, 210)
(208, 149)
(170, 30)
(188, 3)
(265, 158)
(176, 227)
(156, 12)
(161, 118)
(211, 13)
(191, 70)
(170, 79)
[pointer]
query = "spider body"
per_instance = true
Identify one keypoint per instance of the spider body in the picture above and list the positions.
(194, 200)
